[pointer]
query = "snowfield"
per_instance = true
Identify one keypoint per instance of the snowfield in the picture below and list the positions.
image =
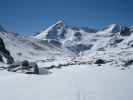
(84, 82)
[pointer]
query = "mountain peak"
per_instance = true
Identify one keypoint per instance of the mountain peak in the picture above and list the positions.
(60, 22)
(113, 28)
(52, 31)
(57, 25)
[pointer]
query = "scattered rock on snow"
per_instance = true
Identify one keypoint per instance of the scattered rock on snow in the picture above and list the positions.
(24, 67)
(128, 63)
(125, 32)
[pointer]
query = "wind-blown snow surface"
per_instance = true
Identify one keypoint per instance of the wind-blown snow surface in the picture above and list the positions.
(71, 83)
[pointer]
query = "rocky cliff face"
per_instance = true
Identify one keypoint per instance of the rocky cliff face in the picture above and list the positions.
(5, 54)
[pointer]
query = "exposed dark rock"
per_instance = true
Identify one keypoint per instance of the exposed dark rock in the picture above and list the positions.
(63, 34)
(101, 49)
(2, 46)
(16, 64)
(55, 43)
(20, 54)
(53, 33)
(1, 60)
(35, 68)
(25, 63)
(115, 41)
(100, 61)
(125, 32)
(130, 43)
(78, 35)
(51, 67)
(118, 40)
(9, 58)
(5, 53)
(80, 47)
(94, 40)
(14, 67)
(122, 68)
(24, 67)
(128, 63)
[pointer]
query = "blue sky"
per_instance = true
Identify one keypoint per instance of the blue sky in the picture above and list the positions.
(29, 16)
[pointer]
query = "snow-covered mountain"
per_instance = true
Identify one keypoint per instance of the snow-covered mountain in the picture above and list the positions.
(109, 41)
(77, 39)
(74, 63)
(60, 40)
(68, 37)
(22, 48)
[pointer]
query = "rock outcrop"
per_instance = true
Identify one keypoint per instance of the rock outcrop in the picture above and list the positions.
(25, 67)
(5, 55)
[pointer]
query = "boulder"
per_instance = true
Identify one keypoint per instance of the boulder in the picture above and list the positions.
(25, 64)
(100, 61)
(34, 68)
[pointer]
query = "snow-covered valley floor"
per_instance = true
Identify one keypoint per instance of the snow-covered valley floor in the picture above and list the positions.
(77, 82)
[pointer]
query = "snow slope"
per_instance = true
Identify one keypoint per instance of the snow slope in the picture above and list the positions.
(72, 83)
(25, 48)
